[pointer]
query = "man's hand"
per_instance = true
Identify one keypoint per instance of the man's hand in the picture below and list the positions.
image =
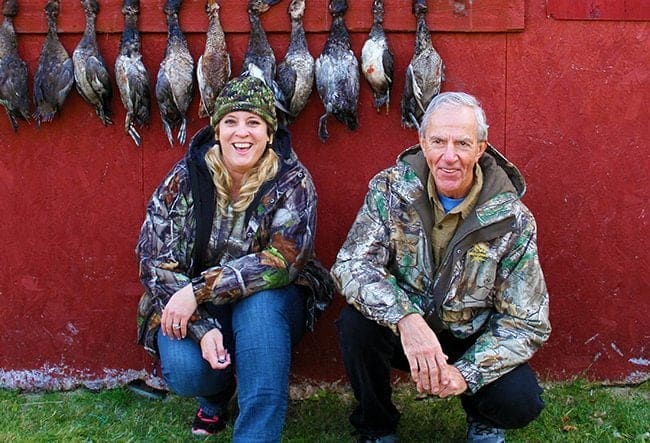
(213, 351)
(428, 363)
(177, 313)
(457, 384)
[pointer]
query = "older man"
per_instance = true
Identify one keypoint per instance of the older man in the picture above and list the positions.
(442, 274)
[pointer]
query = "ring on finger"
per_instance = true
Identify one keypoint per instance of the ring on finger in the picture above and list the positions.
(176, 326)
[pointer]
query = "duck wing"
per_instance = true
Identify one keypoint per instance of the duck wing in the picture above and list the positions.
(14, 92)
(54, 76)
(214, 67)
(377, 60)
(212, 72)
(133, 83)
(259, 59)
(424, 74)
(131, 74)
(175, 80)
(295, 75)
(337, 74)
(92, 79)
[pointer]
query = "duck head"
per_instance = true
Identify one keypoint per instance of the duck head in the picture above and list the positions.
(90, 6)
(10, 8)
(172, 7)
(258, 7)
(338, 7)
(131, 7)
(297, 9)
(420, 7)
(378, 10)
(52, 8)
(212, 7)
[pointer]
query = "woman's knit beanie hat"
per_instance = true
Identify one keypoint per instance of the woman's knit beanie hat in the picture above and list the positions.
(246, 93)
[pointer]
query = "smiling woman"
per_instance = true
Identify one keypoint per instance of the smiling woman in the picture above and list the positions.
(228, 245)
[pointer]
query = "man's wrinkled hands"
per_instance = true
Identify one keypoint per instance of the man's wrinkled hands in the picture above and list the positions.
(428, 363)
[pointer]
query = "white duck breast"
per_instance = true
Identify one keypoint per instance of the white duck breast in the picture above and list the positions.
(377, 60)
(259, 59)
(337, 74)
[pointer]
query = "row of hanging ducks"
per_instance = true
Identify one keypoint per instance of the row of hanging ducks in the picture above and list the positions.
(335, 72)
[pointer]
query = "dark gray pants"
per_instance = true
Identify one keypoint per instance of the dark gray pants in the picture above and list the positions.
(370, 351)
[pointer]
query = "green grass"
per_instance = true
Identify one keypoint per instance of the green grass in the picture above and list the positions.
(575, 412)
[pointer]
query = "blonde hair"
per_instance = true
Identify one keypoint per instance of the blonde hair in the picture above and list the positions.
(265, 169)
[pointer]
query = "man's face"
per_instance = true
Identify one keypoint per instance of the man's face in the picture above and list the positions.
(451, 148)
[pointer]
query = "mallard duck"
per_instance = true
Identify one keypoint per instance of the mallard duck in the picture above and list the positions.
(259, 59)
(14, 95)
(175, 82)
(213, 69)
(55, 74)
(295, 75)
(337, 74)
(424, 75)
(377, 59)
(130, 73)
(91, 76)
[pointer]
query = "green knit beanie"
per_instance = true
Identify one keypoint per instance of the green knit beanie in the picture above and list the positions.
(246, 93)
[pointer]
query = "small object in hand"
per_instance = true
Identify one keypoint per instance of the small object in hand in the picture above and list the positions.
(221, 361)
(176, 326)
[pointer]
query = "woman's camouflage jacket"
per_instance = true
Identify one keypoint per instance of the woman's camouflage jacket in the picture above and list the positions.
(489, 281)
(280, 229)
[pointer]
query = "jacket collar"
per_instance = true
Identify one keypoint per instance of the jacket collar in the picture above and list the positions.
(500, 175)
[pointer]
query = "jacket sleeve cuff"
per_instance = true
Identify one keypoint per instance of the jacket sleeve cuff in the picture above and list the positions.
(399, 313)
(471, 374)
(197, 329)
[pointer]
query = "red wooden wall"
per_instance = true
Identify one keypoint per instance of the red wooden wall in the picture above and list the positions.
(567, 101)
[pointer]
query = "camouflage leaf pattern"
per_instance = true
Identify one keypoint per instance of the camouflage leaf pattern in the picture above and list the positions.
(278, 244)
(495, 283)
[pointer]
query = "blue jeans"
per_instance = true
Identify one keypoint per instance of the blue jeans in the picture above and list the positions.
(259, 332)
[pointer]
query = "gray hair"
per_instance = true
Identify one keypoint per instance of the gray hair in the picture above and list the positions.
(457, 99)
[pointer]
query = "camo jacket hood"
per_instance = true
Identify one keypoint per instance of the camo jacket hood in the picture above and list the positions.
(489, 281)
(280, 232)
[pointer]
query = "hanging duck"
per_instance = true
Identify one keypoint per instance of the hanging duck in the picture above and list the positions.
(424, 75)
(337, 74)
(90, 73)
(259, 59)
(175, 81)
(130, 73)
(55, 74)
(295, 75)
(14, 93)
(377, 59)
(213, 69)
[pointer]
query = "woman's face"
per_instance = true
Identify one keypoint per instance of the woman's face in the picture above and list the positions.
(243, 137)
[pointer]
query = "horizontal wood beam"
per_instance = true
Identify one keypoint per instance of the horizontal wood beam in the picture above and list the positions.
(445, 16)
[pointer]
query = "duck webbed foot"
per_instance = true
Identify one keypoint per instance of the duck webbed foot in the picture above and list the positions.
(322, 128)
(129, 128)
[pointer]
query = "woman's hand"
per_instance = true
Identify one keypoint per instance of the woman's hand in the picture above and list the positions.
(213, 351)
(177, 313)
